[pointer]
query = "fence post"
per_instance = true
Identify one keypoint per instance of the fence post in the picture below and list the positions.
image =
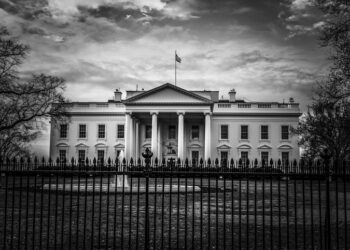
(147, 155)
(327, 232)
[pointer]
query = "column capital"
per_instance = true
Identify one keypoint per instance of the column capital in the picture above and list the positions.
(154, 112)
(181, 113)
(207, 113)
(128, 112)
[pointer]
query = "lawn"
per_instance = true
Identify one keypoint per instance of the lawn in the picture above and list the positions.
(247, 214)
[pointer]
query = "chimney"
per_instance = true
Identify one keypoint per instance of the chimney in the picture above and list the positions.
(232, 95)
(117, 95)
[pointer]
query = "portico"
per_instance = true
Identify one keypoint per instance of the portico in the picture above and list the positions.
(168, 134)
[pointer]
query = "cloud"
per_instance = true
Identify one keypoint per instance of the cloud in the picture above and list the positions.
(301, 18)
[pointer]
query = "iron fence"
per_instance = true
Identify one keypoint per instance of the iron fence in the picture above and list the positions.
(173, 205)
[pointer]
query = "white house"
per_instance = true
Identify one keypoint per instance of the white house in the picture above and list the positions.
(174, 122)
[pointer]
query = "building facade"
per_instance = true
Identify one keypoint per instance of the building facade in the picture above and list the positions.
(177, 123)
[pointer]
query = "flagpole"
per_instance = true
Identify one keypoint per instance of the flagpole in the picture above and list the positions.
(175, 66)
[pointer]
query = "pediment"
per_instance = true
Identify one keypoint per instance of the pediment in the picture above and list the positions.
(81, 145)
(285, 146)
(167, 93)
(223, 146)
(62, 144)
(244, 146)
(100, 145)
(119, 145)
(194, 145)
(264, 146)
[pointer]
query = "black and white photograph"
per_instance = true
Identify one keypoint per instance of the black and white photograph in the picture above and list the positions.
(175, 124)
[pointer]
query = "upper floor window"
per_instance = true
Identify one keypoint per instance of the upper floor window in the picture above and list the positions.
(244, 132)
(195, 132)
(284, 132)
(264, 132)
(120, 131)
(82, 130)
(148, 132)
(224, 132)
(63, 130)
(101, 133)
(172, 132)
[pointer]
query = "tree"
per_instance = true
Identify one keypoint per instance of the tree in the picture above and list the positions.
(326, 126)
(336, 35)
(24, 103)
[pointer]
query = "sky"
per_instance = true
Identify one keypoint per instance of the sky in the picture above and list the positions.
(267, 50)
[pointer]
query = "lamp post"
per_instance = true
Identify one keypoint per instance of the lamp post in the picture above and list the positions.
(147, 155)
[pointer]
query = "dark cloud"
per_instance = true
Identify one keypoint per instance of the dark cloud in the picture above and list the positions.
(26, 9)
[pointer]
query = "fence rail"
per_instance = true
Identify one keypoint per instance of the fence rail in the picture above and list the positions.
(173, 205)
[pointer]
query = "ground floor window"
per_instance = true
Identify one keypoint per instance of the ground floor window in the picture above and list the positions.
(81, 155)
(265, 157)
(100, 156)
(62, 155)
(224, 157)
(244, 156)
(285, 157)
(195, 156)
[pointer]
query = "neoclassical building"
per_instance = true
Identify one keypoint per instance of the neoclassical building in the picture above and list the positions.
(177, 123)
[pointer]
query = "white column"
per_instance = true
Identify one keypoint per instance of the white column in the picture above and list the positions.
(207, 139)
(127, 135)
(137, 140)
(180, 136)
(132, 138)
(159, 145)
(154, 140)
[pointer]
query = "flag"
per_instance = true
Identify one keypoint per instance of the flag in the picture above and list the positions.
(177, 58)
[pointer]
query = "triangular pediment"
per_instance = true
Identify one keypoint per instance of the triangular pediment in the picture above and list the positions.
(223, 146)
(167, 93)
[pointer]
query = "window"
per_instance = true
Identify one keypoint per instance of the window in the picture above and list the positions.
(285, 157)
(82, 130)
(101, 131)
(81, 155)
(224, 132)
(148, 131)
(265, 157)
(195, 132)
(244, 132)
(224, 157)
(63, 130)
(120, 131)
(100, 156)
(62, 155)
(264, 132)
(195, 156)
(118, 153)
(285, 132)
(244, 156)
(172, 132)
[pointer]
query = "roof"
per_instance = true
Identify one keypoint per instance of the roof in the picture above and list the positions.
(167, 86)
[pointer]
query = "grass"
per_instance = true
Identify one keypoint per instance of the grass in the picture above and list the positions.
(245, 214)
